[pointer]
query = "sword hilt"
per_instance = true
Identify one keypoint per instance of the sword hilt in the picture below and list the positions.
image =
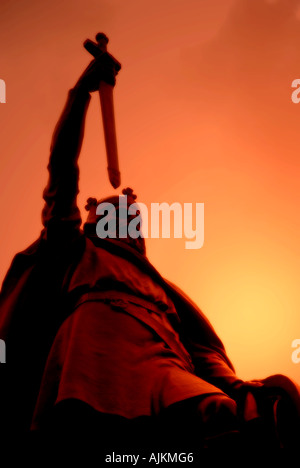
(100, 48)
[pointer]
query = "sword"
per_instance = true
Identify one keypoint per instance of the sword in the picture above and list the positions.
(107, 108)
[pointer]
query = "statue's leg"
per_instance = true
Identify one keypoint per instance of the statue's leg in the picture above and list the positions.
(279, 405)
(205, 421)
(218, 416)
(216, 420)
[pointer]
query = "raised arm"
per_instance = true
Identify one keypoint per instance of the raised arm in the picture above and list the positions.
(60, 213)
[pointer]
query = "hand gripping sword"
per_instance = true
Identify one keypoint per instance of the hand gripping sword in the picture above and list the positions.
(107, 108)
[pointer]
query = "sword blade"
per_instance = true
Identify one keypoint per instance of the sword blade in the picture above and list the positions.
(108, 117)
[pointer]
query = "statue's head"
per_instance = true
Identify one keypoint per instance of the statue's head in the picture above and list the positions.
(109, 217)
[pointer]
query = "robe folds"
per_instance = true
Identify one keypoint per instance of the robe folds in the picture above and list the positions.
(38, 318)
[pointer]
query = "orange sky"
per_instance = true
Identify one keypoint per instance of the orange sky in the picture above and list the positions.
(204, 114)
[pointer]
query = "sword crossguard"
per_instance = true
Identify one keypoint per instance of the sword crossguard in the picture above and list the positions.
(100, 48)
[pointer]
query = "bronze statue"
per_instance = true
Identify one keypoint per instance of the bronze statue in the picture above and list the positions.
(96, 338)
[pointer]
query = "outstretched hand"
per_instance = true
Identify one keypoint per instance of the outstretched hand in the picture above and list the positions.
(100, 69)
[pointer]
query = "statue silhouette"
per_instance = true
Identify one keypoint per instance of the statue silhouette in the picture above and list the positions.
(97, 340)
